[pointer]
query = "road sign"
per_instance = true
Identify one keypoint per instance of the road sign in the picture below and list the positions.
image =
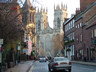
(1, 41)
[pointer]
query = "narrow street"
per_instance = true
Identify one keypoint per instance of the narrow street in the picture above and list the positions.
(43, 67)
(40, 67)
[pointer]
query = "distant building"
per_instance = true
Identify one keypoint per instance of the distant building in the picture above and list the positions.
(45, 33)
(29, 13)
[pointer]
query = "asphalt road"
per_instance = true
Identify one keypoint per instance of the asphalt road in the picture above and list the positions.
(43, 67)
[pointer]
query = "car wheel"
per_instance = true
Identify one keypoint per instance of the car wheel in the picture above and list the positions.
(54, 70)
(49, 69)
(69, 70)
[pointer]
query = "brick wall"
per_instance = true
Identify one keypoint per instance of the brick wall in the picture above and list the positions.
(88, 19)
(88, 15)
(85, 4)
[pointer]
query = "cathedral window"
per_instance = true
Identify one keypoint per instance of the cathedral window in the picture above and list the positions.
(33, 18)
(58, 23)
(30, 17)
(39, 25)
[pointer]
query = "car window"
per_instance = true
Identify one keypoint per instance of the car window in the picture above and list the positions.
(60, 59)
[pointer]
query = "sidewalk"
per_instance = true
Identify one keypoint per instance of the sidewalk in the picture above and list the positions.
(21, 67)
(86, 63)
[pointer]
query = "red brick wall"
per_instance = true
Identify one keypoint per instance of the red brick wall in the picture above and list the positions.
(78, 43)
(89, 14)
(85, 4)
(88, 18)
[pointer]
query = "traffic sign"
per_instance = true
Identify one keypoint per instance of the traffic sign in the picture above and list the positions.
(1, 41)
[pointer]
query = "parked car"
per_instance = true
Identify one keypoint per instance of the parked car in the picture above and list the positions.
(42, 59)
(59, 63)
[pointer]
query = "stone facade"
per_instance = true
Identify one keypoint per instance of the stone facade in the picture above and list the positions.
(29, 13)
(45, 33)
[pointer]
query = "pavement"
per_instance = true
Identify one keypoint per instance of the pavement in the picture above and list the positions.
(23, 66)
(85, 63)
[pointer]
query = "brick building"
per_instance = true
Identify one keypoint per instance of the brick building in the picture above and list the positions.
(84, 32)
(84, 4)
(85, 26)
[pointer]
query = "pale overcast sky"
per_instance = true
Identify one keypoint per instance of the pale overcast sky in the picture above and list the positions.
(71, 7)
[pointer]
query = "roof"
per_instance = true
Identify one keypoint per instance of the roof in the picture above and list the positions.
(48, 29)
(80, 15)
(69, 20)
(27, 3)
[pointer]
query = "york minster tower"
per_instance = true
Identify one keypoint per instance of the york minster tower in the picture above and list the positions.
(60, 13)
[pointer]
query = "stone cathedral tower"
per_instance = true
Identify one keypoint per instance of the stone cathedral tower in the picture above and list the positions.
(41, 24)
(60, 13)
(41, 19)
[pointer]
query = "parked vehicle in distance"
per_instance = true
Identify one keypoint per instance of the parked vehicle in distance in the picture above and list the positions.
(43, 59)
(59, 63)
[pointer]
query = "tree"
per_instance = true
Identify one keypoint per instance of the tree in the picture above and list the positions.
(10, 22)
(57, 44)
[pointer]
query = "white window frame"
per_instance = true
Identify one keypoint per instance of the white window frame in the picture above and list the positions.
(78, 25)
(94, 32)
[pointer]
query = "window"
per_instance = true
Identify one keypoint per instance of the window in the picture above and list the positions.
(39, 25)
(80, 24)
(72, 49)
(73, 35)
(81, 37)
(69, 25)
(30, 17)
(76, 26)
(58, 23)
(65, 28)
(73, 23)
(94, 32)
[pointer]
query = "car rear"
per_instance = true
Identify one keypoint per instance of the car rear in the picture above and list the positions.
(42, 59)
(63, 64)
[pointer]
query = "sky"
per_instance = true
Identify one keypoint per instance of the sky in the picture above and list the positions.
(71, 7)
